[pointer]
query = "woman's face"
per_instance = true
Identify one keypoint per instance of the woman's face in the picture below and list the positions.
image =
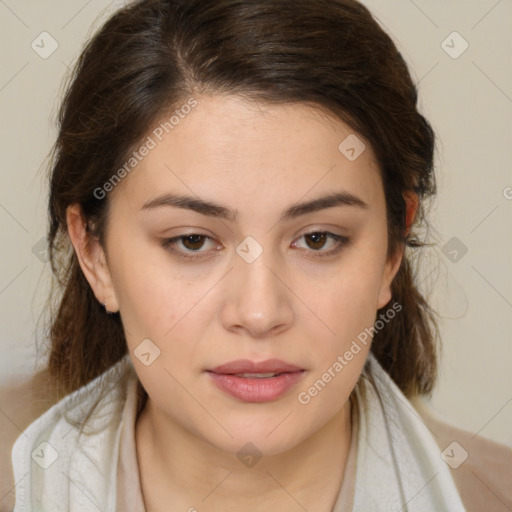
(259, 280)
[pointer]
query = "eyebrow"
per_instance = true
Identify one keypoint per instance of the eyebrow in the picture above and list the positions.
(213, 209)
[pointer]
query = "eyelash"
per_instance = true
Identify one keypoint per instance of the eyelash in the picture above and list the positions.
(341, 240)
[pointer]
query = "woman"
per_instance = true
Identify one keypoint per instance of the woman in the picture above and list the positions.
(232, 199)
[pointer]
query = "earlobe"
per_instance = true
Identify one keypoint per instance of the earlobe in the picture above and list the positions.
(91, 258)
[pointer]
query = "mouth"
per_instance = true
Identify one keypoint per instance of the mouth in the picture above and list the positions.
(257, 375)
(256, 382)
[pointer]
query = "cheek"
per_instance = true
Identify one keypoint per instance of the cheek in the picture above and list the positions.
(149, 307)
(347, 306)
(350, 298)
(165, 309)
(350, 317)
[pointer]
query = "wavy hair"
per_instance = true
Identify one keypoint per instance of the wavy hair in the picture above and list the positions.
(152, 55)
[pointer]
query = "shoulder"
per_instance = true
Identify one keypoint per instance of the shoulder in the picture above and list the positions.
(22, 401)
(481, 468)
(63, 441)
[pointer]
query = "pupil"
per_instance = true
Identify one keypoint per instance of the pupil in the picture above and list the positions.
(320, 237)
(195, 241)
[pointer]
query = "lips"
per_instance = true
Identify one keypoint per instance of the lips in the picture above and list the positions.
(251, 381)
(247, 366)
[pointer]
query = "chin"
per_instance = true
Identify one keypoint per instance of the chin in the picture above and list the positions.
(265, 437)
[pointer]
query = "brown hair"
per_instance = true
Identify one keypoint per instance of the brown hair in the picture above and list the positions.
(149, 57)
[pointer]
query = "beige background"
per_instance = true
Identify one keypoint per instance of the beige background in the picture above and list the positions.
(468, 100)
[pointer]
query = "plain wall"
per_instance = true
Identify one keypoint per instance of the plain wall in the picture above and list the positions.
(467, 99)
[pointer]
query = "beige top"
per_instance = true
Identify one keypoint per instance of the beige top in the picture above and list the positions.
(129, 493)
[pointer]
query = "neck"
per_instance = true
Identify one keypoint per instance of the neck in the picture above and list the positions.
(180, 468)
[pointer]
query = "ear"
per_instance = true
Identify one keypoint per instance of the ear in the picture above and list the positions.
(391, 268)
(91, 257)
(393, 263)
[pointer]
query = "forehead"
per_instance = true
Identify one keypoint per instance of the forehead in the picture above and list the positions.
(247, 152)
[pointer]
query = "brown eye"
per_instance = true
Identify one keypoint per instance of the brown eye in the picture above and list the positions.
(317, 240)
(193, 242)
(190, 244)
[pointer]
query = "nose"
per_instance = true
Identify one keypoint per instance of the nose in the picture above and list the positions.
(258, 303)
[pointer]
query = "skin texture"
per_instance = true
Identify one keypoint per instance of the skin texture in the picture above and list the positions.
(289, 303)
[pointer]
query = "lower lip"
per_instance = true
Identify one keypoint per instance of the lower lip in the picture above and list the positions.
(256, 390)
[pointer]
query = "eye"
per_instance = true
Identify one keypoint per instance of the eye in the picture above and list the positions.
(192, 243)
(316, 240)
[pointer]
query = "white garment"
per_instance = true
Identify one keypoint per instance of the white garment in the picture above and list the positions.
(59, 468)
(399, 464)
